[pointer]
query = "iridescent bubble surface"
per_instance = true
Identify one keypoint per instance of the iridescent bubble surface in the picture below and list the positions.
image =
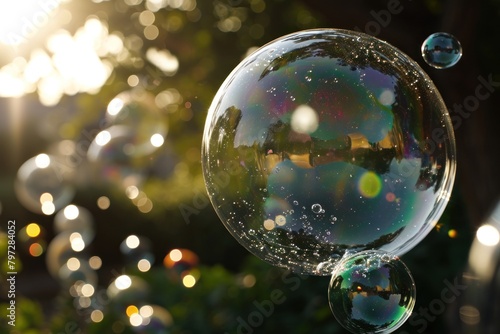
(441, 50)
(371, 292)
(41, 185)
(324, 141)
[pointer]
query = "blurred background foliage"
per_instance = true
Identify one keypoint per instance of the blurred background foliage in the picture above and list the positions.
(180, 51)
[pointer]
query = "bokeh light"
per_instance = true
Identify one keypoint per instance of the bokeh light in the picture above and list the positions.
(103, 202)
(488, 235)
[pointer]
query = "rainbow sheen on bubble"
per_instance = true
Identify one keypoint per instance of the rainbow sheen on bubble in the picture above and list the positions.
(327, 141)
(441, 50)
(371, 292)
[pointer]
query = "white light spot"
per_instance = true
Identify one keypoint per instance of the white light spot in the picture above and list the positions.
(175, 255)
(189, 281)
(97, 316)
(488, 235)
(114, 106)
(77, 243)
(304, 119)
(88, 290)
(48, 208)
(132, 241)
(123, 282)
(157, 140)
(269, 224)
(132, 192)
(135, 320)
(387, 97)
(73, 264)
(146, 311)
(103, 138)
(143, 265)
(71, 212)
(42, 161)
(164, 60)
(280, 220)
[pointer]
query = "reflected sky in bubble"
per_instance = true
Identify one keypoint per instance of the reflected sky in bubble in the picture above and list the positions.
(331, 119)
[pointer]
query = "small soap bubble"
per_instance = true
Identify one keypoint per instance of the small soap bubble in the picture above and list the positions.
(137, 110)
(75, 218)
(127, 290)
(441, 50)
(136, 249)
(371, 292)
(41, 185)
(317, 208)
(117, 156)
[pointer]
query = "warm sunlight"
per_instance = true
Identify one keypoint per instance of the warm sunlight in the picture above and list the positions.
(19, 20)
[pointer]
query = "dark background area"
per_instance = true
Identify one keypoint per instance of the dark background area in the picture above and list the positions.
(206, 56)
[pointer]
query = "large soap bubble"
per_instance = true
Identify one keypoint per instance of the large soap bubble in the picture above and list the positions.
(327, 141)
